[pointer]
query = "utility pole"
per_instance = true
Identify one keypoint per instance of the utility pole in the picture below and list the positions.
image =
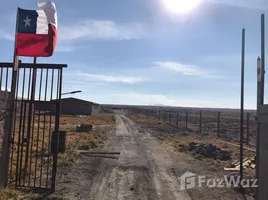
(242, 104)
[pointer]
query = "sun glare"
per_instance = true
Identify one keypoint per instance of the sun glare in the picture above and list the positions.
(181, 6)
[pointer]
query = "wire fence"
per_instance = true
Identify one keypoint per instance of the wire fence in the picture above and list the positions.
(222, 124)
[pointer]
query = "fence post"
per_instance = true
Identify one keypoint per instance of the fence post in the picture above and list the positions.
(164, 116)
(247, 128)
(200, 122)
(177, 119)
(159, 114)
(169, 118)
(186, 121)
(218, 125)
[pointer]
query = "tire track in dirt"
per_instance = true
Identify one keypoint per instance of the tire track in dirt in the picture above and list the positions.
(160, 163)
(130, 179)
(143, 170)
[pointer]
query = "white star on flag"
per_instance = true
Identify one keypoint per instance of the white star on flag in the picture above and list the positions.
(27, 21)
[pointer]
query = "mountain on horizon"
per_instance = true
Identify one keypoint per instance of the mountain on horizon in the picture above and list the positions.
(159, 104)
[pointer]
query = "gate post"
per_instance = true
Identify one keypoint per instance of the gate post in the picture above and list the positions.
(4, 158)
(57, 128)
(8, 130)
(262, 161)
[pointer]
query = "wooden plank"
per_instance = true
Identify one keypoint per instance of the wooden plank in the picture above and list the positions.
(252, 166)
(237, 162)
(92, 152)
(236, 145)
(232, 169)
(246, 164)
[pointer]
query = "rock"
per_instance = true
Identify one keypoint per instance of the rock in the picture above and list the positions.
(131, 188)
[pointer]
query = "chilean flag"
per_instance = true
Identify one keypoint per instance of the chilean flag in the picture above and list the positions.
(36, 34)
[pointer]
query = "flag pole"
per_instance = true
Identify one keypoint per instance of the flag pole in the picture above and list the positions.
(11, 106)
(16, 58)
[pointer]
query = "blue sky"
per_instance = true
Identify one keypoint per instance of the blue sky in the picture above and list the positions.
(136, 52)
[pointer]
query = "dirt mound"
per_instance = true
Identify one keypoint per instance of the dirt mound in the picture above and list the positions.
(208, 151)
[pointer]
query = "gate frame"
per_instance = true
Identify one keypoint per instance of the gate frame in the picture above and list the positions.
(8, 124)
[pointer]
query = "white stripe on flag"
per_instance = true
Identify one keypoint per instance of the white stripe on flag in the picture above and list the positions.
(51, 12)
(42, 24)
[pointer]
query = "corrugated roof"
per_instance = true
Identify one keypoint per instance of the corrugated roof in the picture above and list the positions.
(76, 99)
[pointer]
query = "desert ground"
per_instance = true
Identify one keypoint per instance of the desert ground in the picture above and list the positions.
(149, 165)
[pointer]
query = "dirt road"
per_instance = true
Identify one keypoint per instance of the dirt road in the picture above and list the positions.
(144, 170)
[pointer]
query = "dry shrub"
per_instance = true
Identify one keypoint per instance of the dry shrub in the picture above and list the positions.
(8, 194)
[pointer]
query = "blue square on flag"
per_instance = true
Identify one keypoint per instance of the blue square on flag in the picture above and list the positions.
(27, 21)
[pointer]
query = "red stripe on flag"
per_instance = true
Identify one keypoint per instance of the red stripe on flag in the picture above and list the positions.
(37, 45)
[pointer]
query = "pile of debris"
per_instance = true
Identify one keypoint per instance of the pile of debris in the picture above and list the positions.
(247, 163)
(208, 151)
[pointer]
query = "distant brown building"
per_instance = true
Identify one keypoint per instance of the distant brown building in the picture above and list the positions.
(70, 106)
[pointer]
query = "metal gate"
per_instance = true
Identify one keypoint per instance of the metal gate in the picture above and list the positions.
(32, 160)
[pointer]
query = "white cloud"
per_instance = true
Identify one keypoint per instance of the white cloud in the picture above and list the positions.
(100, 30)
(67, 47)
(4, 34)
(69, 35)
(256, 4)
(132, 98)
(8, 36)
(64, 48)
(189, 70)
(110, 78)
(229, 58)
